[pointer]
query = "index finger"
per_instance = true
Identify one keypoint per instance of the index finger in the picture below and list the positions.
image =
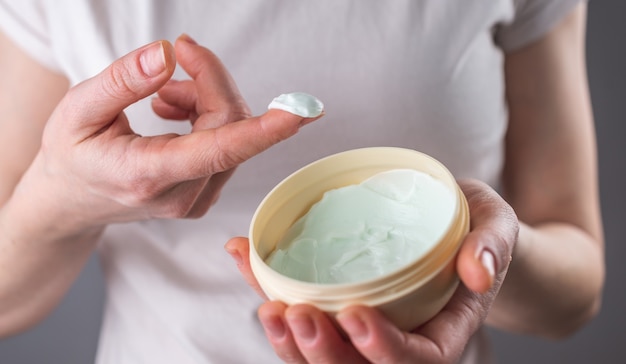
(206, 152)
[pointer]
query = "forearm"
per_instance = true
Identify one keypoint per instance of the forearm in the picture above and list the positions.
(554, 282)
(39, 261)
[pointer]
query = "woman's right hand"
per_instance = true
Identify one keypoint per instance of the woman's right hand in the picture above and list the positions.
(92, 169)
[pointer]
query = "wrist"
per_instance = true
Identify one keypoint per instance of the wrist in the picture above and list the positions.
(37, 212)
(18, 225)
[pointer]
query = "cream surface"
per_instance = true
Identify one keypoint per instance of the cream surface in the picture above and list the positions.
(298, 103)
(362, 231)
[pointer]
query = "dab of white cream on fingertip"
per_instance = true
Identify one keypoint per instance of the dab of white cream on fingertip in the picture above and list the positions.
(298, 103)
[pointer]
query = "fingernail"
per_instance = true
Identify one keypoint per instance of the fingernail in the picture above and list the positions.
(235, 254)
(298, 103)
(354, 327)
(303, 327)
(489, 263)
(152, 59)
(274, 327)
(186, 38)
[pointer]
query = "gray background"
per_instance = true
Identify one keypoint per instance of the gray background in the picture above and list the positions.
(70, 334)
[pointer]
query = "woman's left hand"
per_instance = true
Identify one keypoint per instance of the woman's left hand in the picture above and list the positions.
(302, 333)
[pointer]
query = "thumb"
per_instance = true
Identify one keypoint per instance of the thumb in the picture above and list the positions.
(485, 254)
(96, 102)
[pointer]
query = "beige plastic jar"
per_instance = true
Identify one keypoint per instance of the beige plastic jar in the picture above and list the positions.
(408, 296)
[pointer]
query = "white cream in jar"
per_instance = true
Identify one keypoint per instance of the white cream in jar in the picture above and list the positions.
(360, 232)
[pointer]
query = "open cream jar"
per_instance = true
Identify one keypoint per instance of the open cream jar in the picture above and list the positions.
(408, 295)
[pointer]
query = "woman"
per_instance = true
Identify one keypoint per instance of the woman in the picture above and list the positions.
(496, 92)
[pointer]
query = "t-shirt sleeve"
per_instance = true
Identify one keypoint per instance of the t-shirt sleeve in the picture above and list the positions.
(25, 23)
(532, 20)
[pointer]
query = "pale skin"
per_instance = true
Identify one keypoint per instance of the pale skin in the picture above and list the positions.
(98, 171)
(547, 220)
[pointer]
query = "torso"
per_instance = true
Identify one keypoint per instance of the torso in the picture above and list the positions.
(425, 75)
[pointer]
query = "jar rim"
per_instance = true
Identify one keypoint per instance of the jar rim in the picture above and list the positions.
(408, 277)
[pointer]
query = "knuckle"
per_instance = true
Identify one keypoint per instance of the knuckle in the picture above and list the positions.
(233, 113)
(195, 213)
(143, 189)
(290, 357)
(400, 356)
(239, 110)
(219, 158)
(273, 134)
(183, 200)
(199, 209)
(176, 210)
(117, 82)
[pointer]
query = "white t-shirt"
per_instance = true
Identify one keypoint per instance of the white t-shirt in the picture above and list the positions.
(425, 75)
